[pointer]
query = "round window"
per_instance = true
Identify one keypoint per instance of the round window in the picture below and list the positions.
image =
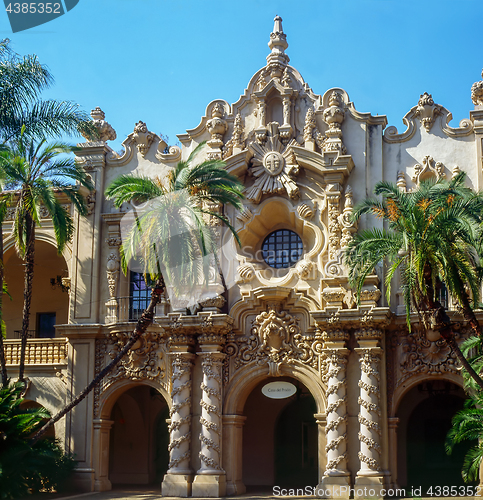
(282, 248)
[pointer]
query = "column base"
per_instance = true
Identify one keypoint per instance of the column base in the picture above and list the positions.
(177, 485)
(369, 487)
(235, 488)
(83, 479)
(102, 485)
(336, 486)
(209, 485)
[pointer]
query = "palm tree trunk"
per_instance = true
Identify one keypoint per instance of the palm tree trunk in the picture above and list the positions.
(27, 294)
(469, 315)
(449, 336)
(3, 361)
(141, 326)
(443, 322)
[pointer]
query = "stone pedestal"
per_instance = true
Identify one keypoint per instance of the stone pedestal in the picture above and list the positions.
(336, 486)
(177, 485)
(102, 430)
(209, 485)
(232, 458)
(366, 487)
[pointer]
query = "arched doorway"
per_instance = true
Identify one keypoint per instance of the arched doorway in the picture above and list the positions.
(280, 439)
(50, 302)
(139, 438)
(425, 418)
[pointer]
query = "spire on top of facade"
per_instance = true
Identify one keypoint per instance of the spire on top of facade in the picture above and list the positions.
(277, 59)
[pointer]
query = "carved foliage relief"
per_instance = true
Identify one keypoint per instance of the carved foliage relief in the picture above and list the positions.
(147, 360)
(275, 338)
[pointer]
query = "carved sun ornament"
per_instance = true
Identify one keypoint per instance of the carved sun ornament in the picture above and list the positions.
(274, 168)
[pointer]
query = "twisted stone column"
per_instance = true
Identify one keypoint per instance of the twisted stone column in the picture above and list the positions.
(177, 481)
(210, 436)
(370, 476)
(336, 414)
(210, 480)
(336, 473)
(370, 413)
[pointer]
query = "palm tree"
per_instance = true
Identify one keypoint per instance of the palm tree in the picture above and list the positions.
(40, 175)
(25, 468)
(433, 237)
(467, 425)
(22, 80)
(176, 215)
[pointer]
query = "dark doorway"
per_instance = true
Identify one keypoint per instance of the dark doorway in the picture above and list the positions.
(296, 444)
(280, 439)
(139, 437)
(46, 325)
(427, 462)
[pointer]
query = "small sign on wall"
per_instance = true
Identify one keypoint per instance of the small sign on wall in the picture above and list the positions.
(278, 390)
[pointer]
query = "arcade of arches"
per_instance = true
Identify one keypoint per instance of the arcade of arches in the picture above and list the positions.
(368, 399)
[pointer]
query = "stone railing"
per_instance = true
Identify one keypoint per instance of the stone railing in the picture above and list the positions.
(39, 351)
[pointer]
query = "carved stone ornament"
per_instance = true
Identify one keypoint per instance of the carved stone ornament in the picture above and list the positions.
(142, 137)
(273, 167)
(106, 132)
(236, 142)
(428, 167)
(305, 211)
(427, 111)
(113, 267)
(421, 355)
(345, 219)
(217, 126)
(245, 273)
(275, 338)
(401, 181)
(334, 116)
(91, 202)
(477, 92)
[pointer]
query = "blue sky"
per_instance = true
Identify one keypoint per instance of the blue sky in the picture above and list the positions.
(163, 61)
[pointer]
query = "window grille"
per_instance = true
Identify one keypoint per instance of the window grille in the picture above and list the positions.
(282, 248)
(139, 295)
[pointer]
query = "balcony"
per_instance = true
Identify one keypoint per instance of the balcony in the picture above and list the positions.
(39, 351)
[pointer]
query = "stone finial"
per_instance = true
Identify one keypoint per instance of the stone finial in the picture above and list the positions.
(427, 110)
(477, 92)
(106, 132)
(143, 137)
(277, 60)
(401, 180)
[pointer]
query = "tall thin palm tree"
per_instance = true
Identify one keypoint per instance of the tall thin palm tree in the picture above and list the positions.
(169, 236)
(433, 237)
(41, 174)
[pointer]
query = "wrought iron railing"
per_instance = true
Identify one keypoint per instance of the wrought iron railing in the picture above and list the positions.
(39, 351)
(31, 334)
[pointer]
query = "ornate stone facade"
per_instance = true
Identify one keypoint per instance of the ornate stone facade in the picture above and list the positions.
(195, 379)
